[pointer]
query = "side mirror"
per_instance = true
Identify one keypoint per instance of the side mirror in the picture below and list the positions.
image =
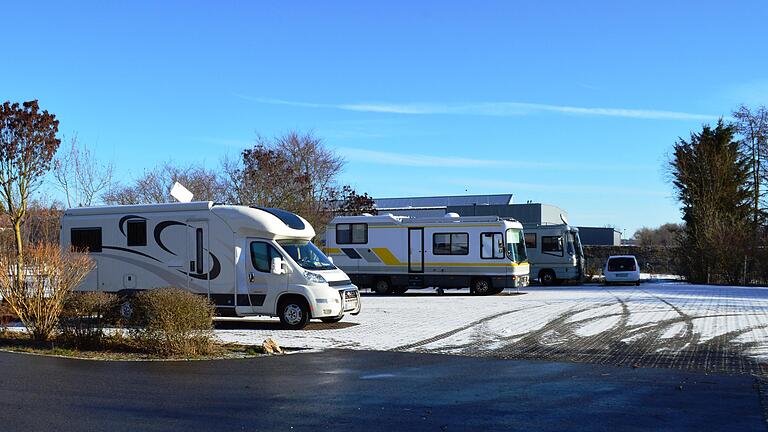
(277, 266)
(330, 259)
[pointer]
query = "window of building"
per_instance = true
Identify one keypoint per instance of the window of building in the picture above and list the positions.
(86, 239)
(552, 245)
(261, 256)
(450, 244)
(356, 233)
(530, 240)
(491, 245)
(137, 232)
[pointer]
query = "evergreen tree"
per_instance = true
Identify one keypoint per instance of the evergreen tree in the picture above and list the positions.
(711, 178)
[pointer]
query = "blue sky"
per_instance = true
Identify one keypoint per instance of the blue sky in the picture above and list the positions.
(569, 103)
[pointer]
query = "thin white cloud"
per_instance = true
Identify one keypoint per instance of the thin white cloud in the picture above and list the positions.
(422, 160)
(498, 109)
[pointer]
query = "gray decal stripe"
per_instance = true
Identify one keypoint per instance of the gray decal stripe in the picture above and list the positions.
(368, 255)
(351, 253)
(131, 251)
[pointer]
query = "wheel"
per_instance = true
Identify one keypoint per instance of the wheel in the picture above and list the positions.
(547, 277)
(400, 290)
(637, 283)
(330, 320)
(481, 287)
(382, 286)
(294, 313)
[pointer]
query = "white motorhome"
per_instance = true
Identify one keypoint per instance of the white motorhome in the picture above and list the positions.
(246, 260)
(395, 253)
(555, 253)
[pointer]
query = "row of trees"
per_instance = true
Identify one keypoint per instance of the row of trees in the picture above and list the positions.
(720, 177)
(295, 172)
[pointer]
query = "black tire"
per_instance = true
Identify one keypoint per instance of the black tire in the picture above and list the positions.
(547, 277)
(637, 283)
(481, 286)
(382, 286)
(294, 313)
(400, 290)
(330, 320)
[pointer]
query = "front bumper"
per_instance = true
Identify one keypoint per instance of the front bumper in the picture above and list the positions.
(350, 300)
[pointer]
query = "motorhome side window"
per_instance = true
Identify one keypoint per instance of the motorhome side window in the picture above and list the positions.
(530, 240)
(491, 245)
(450, 244)
(88, 239)
(137, 232)
(552, 245)
(355, 233)
(262, 254)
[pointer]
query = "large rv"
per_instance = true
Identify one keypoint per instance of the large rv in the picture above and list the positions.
(394, 253)
(246, 260)
(555, 253)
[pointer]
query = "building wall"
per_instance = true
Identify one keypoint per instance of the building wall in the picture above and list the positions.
(599, 236)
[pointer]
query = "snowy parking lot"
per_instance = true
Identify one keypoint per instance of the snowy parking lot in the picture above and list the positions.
(663, 324)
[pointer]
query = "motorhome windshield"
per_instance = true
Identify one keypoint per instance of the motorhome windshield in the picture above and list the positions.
(574, 244)
(515, 245)
(306, 254)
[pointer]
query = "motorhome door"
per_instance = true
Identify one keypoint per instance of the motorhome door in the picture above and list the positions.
(263, 285)
(198, 258)
(416, 250)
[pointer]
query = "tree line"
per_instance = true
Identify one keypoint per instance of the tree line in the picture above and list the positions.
(720, 178)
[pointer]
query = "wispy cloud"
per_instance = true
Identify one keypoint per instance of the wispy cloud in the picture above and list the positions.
(498, 109)
(422, 160)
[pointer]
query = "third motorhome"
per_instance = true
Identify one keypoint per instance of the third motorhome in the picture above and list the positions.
(246, 260)
(395, 253)
(555, 253)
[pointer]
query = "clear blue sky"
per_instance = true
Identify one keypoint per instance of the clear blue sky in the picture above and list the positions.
(569, 103)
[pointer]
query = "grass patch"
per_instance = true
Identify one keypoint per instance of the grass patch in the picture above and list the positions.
(116, 347)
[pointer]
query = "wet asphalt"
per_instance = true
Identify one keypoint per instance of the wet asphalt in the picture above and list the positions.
(363, 390)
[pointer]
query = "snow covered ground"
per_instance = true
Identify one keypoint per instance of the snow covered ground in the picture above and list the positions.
(653, 322)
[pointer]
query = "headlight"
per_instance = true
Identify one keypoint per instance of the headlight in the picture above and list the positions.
(314, 277)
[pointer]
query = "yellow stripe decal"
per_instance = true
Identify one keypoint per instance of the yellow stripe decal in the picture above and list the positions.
(386, 256)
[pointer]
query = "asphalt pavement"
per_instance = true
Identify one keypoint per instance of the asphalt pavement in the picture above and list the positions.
(364, 390)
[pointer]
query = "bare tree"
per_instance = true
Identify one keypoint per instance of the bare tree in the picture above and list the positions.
(295, 172)
(80, 176)
(667, 234)
(752, 126)
(154, 186)
(36, 292)
(28, 143)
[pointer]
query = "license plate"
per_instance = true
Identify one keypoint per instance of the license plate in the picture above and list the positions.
(621, 275)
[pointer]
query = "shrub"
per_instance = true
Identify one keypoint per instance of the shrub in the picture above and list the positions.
(6, 316)
(173, 322)
(84, 316)
(36, 290)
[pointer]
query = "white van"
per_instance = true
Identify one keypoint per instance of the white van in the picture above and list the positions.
(394, 253)
(246, 260)
(622, 269)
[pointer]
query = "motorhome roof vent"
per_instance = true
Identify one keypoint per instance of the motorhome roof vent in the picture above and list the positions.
(452, 215)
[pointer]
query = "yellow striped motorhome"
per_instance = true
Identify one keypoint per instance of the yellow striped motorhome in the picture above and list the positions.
(394, 253)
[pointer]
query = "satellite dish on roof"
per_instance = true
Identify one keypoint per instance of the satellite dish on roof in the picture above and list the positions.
(181, 193)
(564, 218)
